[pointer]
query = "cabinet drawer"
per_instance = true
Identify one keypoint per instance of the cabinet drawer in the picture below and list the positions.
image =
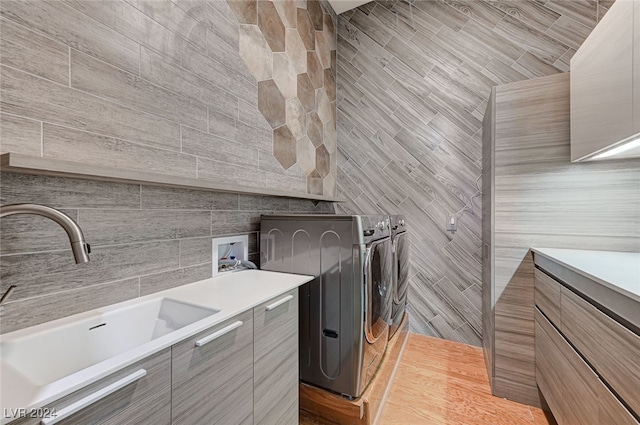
(138, 399)
(588, 400)
(612, 349)
(549, 364)
(276, 361)
(213, 383)
(547, 294)
(576, 395)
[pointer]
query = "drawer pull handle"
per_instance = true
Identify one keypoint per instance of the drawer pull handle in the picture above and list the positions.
(94, 397)
(218, 334)
(279, 303)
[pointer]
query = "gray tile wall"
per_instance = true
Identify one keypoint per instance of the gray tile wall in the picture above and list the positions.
(413, 83)
(144, 239)
(156, 85)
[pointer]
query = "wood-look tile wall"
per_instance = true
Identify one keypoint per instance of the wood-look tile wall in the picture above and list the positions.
(413, 82)
(153, 85)
(540, 199)
(144, 239)
(171, 86)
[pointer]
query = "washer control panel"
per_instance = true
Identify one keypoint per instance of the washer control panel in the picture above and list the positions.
(397, 223)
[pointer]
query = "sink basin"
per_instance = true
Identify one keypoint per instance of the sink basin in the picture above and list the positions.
(46, 356)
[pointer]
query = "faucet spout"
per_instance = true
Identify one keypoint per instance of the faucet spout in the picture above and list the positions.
(80, 248)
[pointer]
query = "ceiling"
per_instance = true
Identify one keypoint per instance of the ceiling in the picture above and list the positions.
(343, 5)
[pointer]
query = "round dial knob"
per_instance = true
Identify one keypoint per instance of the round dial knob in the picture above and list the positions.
(381, 225)
(401, 222)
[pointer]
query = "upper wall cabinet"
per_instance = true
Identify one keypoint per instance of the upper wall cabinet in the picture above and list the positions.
(605, 87)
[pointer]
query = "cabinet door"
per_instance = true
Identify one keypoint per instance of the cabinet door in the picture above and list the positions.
(276, 361)
(574, 392)
(137, 394)
(602, 84)
(212, 378)
(549, 365)
(611, 349)
(587, 401)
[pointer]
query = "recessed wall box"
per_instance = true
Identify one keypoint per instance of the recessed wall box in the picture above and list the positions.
(229, 248)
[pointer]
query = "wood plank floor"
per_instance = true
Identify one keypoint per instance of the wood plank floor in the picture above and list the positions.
(441, 382)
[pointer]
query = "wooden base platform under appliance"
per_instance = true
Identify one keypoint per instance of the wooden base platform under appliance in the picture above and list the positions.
(366, 409)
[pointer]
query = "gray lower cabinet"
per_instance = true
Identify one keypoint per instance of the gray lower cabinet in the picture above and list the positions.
(137, 394)
(212, 375)
(276, 361)
(573, 387)
(239, 372)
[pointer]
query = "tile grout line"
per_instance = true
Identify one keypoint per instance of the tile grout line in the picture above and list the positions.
(79, 288)
(42, 139)
(69, 66)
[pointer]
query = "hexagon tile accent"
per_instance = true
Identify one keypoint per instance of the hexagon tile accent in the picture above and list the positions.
(284, 74)
(306, 92)
(314, 183)
(245, 11)
(271, 103)
(322, 161)
(315, 128)
(330, 84)
(306, 155)
(323, 49)
(284, 146)
(290, 48)
(323, 105)
(296, 50)
(271, 25)
(316, 15)
(314, 70)
(288, 12)
(296, 118)
(306, 30)
(255, 52)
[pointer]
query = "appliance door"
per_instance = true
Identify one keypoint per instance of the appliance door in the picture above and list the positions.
(401, 269)
(378, 289)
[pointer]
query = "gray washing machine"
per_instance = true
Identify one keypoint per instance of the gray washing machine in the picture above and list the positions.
(400, 247)
(346, 310)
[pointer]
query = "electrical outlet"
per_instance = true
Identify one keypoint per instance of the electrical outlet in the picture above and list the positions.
(452, 224)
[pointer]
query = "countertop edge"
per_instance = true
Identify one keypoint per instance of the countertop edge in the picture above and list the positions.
(610, 285)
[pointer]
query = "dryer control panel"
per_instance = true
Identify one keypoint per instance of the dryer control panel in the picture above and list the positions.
(374, 227)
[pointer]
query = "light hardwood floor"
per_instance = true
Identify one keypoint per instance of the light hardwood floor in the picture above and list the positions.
(442, 382)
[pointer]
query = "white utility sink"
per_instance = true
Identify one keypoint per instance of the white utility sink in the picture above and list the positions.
(44, 357)
(45, 362)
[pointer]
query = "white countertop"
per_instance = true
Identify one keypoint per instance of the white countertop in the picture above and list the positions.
(619, 271)
(232, 294)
